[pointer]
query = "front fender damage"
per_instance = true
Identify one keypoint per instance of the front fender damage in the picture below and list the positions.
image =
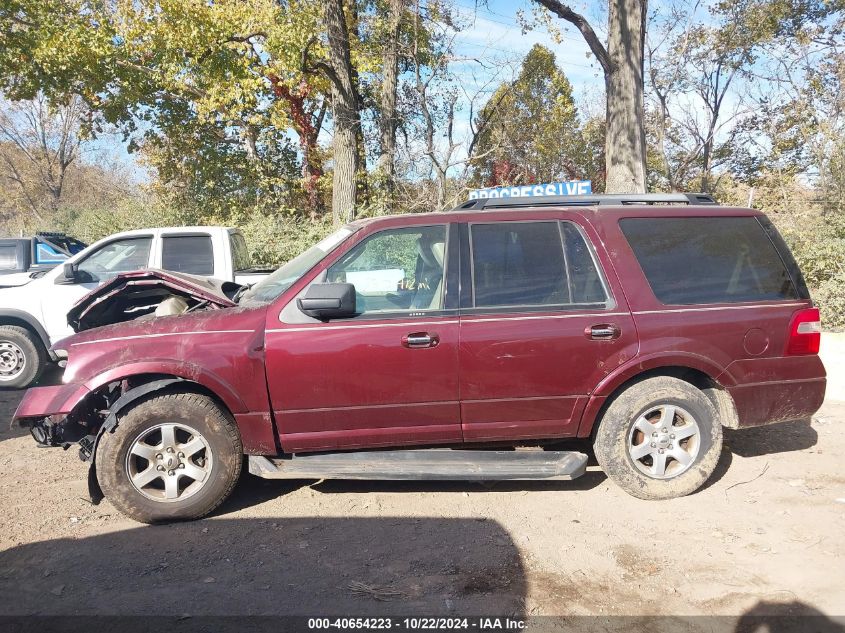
(85, 421)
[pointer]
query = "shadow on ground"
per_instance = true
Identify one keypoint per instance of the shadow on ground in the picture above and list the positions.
(290, 566)
(9, 399)
(774, 438)
(787, 617)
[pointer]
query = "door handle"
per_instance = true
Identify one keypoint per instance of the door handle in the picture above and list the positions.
(418, 340)
(603, 332)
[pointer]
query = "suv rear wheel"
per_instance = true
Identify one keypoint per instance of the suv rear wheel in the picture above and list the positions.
(659, 439)
(22, 357)
(171, 457)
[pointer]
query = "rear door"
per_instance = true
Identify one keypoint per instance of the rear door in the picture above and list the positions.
(388, 376)
(543, 322)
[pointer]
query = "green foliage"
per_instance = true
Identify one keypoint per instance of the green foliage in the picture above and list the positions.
(819, 248)
(209, 92)
(821, 257)
(206, 90)
(530, 130)
(276, 238)
(215, 180)
(830, 298)
(272, 238)
(93, 223)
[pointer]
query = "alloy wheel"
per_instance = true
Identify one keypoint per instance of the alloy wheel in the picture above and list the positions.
(169, 462)
(664, 441)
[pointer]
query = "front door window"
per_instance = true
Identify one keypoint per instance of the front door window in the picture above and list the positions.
(398, 270)
(116, 257)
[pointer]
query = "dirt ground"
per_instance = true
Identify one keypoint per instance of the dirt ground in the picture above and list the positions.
(763, 537)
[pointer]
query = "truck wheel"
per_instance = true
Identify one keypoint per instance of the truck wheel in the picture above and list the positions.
(659, 439)
(172, 457)
(22, 357)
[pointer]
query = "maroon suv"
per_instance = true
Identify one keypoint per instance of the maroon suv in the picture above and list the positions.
(458, 345)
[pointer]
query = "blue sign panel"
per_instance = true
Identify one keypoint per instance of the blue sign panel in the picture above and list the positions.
(569, 188)
(46, 254)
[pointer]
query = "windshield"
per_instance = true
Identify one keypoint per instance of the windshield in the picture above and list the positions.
(283, 278)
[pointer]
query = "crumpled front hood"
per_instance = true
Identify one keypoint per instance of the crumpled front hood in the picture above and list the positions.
(218, 338)
(132, 294)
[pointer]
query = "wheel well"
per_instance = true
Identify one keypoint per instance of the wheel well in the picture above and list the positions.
(109, 394)
(718, 395)
(182, 386)
(26, 325)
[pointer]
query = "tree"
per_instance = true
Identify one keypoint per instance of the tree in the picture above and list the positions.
(437, 152)
(529, 129)
(346, 117)
(713, 100)
(696, 132)
(622, 63)
(389, 87)
(800, 123)
(39, 142)
(225, 78)
(227, 81)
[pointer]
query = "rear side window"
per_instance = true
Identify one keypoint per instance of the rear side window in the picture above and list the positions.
(190, 254)
(584, 279)
(708, 260)
(532, 264)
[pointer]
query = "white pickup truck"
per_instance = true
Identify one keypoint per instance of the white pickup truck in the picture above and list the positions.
(33, 316)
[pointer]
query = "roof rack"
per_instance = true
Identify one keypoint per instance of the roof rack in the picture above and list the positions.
(597, 200)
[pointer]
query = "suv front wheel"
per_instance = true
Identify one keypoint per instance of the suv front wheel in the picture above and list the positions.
(659, 439)
(172, 457)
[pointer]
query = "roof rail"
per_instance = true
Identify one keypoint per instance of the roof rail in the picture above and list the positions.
(595, 200)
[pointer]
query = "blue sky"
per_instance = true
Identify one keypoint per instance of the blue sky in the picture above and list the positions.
(495, 29)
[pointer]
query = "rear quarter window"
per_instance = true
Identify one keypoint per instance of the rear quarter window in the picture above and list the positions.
(708, 260)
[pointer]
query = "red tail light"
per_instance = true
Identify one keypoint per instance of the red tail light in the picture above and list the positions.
(805, 332)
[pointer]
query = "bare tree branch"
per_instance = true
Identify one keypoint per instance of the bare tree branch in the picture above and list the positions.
(580, 22)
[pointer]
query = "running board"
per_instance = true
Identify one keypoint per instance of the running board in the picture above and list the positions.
(424, 464)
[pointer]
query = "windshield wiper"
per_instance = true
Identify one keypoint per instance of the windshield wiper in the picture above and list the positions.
(240, 293)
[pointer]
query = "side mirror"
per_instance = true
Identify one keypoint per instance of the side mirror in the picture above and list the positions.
(328, 301)
(70, 274)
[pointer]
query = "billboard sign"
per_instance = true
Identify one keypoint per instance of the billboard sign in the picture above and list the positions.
(568, 188)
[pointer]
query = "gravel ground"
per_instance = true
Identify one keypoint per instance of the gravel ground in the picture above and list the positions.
(763, 537)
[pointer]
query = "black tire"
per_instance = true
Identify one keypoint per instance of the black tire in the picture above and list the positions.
(618, 427)
(217, 429)
(34, 356)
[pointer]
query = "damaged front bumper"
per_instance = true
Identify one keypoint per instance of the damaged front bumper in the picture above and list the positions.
(53, 420)
(40, 402)
(47, 413)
